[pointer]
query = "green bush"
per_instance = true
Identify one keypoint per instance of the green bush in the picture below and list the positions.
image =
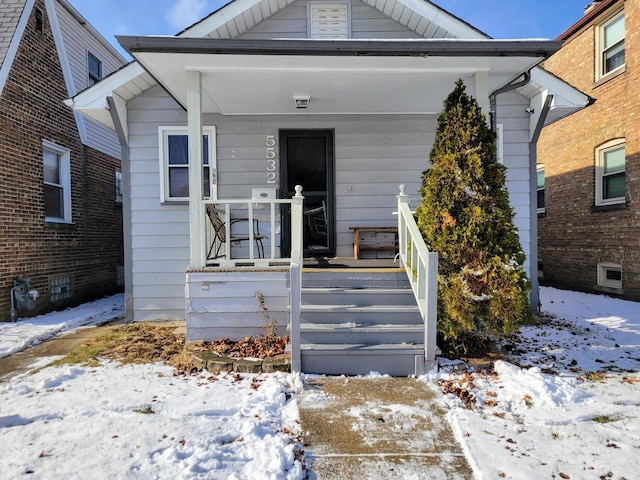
(465, 216)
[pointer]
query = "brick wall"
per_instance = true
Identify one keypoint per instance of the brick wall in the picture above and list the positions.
(89, 250)
(572, 237)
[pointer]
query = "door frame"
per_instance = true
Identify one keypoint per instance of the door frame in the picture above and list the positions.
(285, 192)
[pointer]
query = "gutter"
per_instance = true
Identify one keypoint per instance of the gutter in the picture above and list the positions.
(400, 48)
(512, 85)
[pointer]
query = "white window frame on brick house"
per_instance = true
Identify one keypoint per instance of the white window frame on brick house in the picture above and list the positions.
(57, 182)
(610, 43)
(328, 19)
(605, 171)
(607, 275)
(174, 172)
(540, 187)
(94, 69)
(119, 187)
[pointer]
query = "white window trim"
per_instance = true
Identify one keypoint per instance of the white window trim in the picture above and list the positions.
(611, 145)
(119, 187)
(600, 74)
(65, 179)
(539, 168)
(327, 2)
(163, 133)
(603, 267)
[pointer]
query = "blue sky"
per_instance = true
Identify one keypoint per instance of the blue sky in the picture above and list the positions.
(497, 18)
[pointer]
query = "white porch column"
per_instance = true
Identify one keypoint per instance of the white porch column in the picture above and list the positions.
(481, 91)
(196, 207)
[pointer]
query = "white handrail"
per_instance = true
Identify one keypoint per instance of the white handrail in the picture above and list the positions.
(421, 266)
(248, 208)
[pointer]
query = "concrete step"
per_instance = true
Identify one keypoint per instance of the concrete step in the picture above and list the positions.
(361, 333)
(357, 296)
(361, 359)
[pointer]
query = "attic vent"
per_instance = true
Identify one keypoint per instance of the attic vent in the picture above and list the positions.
(328, 20)
(39, 21)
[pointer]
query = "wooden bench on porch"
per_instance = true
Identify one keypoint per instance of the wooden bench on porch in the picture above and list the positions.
(386, 239)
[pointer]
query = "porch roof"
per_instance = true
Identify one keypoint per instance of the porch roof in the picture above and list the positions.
(256, 77)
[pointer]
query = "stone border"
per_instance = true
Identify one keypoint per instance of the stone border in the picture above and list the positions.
(213, 362)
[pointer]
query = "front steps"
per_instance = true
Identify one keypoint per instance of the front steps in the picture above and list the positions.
(355, 321)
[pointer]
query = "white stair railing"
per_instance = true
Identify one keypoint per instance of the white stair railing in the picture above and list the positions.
(421, 266)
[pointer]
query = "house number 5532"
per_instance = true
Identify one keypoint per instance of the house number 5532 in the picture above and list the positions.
(272, 164)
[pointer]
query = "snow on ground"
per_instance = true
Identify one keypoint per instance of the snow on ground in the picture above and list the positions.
(566, 406)
(24, 333)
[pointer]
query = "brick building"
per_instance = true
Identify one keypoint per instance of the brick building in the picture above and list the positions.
(589, 163)
(60, 214)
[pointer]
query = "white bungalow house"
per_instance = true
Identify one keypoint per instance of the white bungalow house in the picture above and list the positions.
(341, 98)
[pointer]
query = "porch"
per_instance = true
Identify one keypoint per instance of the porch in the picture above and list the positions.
(343, 316)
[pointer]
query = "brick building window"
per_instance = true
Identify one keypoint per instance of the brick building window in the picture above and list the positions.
(94, 68)
(610, 275)
(174, 163)
(119, 188)
(610, 47)
(57, 183)
(540, 188)
(610, 173)
(328, 19)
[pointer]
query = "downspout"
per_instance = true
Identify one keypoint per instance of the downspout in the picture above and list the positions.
(507, 88)
(534, 295)
(533, 188)
(126, 208)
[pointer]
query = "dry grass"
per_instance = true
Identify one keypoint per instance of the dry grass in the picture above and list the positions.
(133, 343)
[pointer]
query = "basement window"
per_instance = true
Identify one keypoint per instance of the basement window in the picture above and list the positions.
(60, 289)
(610, 275)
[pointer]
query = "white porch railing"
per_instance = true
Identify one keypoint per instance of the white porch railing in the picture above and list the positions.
(246, 231)
(421, 266)
(221, 238)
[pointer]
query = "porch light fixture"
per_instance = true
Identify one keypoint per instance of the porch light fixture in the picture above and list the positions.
(301, 101)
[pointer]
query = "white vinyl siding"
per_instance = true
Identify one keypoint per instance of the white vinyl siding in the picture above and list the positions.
(78, 43)
(373, 156)
(291, 22)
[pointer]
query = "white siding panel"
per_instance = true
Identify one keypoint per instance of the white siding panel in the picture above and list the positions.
(373, 155)
(366, 22)
(511, 113)
(78, 41)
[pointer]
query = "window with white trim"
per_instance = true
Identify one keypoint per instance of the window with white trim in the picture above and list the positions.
(610, 173)
(174, 163)
(610, 275)
(610, 49)
(329, 19)
(540, 187)
(94, 68)
(57, 183)
(119, 187)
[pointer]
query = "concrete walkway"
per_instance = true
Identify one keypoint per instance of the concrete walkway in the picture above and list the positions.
(23, 361)
(378, 428)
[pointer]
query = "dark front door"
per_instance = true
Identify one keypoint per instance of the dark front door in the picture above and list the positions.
(306, 159)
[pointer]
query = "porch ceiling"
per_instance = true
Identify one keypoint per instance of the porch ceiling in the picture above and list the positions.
(340, 77)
